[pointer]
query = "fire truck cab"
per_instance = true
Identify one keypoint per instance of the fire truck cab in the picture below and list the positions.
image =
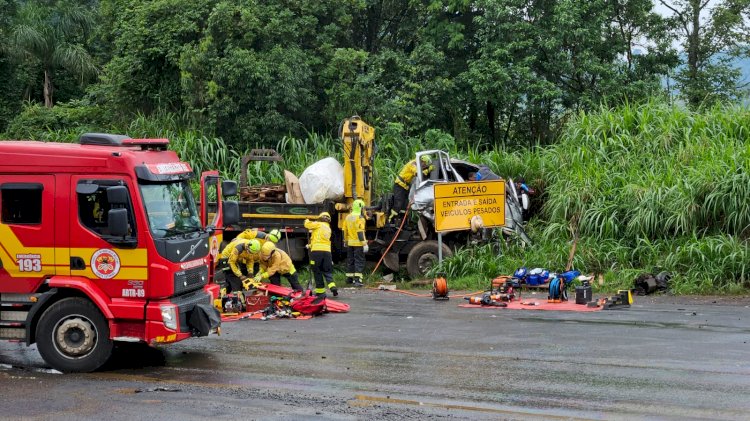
(102, 241)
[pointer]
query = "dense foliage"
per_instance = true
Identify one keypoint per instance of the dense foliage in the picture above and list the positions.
(568, 93)
(644, 188)
(488, 72)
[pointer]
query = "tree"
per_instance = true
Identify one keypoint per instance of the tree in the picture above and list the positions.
(539, 61)
(50, 34)
(10, 92)
(256, 72)
(147, 38)
(712, 35)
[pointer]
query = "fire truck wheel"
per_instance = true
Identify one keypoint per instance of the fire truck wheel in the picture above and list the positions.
(72, 335)
(422, 256)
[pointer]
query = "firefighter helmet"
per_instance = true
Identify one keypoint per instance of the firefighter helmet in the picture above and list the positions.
(325, 217)
(274, 235)
(357, 206)
(266, 250)
(253, 246)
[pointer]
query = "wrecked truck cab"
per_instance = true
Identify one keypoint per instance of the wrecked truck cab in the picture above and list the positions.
(421, 194)
(448, 170)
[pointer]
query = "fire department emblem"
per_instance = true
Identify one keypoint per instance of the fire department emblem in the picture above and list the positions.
(214, 250)
(105, 263)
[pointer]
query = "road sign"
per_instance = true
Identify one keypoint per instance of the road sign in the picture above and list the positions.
(457, 203)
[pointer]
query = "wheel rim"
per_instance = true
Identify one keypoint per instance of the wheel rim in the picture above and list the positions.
(74, 336)
(426, 261)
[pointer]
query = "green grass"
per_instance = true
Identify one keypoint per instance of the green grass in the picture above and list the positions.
(648, 188)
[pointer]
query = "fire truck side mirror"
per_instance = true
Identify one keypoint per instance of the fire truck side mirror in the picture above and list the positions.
(228, 188)
(117, 222)
(230, 212)
(117, 195)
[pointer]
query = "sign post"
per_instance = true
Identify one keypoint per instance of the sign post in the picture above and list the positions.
(456, 204)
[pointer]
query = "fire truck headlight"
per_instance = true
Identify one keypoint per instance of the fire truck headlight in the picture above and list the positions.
(169, 316)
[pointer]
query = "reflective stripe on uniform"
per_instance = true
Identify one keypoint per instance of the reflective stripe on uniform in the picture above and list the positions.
(402, 183)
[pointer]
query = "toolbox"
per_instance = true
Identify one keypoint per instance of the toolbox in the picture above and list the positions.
(256, 302)
(583, 294)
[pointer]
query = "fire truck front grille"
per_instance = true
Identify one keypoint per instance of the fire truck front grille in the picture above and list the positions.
(191, 279)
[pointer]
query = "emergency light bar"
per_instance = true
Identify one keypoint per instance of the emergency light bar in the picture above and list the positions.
(107, 139)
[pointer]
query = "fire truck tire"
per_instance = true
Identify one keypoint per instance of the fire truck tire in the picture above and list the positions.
(73, 336)
(422, 256)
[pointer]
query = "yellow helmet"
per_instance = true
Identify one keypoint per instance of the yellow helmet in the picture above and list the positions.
(266, 250)
(427, 159)
(253, 246)
(357, 206)
(274, 235)
(325, 217)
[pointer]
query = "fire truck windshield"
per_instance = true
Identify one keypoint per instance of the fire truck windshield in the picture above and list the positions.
(170, 208)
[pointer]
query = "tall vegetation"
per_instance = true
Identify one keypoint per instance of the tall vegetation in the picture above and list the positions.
(643, 188)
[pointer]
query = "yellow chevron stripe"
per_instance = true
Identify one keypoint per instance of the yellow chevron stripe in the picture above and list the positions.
(56, 260)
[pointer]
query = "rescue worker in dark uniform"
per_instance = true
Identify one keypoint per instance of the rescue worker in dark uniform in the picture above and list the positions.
(320, 254)
(403, 181)
(356, 244)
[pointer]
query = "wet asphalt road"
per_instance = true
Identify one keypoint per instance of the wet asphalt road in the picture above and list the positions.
(400, 357)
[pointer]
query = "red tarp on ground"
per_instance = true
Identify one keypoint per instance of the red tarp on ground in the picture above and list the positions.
(331, 305)
(540, 305)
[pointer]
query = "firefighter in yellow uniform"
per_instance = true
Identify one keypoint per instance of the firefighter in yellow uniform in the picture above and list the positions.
(242, 255)
(274, 263)
(403, 181)
(320, 254)
(356, 243)
(252, 233)
(248, 234)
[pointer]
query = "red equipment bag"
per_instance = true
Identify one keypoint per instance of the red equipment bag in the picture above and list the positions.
(306, 305)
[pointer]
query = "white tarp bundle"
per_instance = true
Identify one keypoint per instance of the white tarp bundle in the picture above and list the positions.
(322, 180)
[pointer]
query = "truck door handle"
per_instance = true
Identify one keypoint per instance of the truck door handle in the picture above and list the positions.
(76, 263)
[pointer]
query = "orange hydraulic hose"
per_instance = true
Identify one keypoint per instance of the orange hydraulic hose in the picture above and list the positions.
(400, 291)
(394, 238)
(386, 252)
(413, 294)
(440, 287)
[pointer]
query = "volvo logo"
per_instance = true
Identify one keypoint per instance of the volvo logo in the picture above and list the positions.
(191, 252)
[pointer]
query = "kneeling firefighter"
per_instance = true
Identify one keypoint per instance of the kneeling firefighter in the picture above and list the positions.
(320, 254)
(242, 255)
(274, 263)
(261, 237)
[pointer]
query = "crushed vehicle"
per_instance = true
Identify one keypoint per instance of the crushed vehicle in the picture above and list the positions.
(413, 246)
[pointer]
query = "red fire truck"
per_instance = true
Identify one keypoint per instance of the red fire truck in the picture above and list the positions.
(102, 241)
